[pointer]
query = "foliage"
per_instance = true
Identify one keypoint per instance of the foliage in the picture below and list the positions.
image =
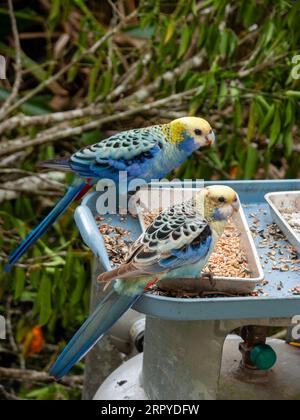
(242, 84)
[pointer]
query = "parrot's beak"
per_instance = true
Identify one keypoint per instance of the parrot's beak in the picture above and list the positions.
(210, 138)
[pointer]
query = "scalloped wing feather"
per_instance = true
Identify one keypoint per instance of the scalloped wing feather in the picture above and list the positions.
(176, 237)
(130, 151)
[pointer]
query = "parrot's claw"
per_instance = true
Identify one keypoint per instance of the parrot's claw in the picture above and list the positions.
(208, 276)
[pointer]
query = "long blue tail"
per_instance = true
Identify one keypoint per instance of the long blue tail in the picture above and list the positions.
(73, 192)
(107, 313)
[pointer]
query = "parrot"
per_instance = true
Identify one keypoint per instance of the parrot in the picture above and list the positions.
(146, 153)
(177, 244)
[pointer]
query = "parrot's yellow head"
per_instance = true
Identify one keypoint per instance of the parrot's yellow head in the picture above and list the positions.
(192, 129)
(219, 202)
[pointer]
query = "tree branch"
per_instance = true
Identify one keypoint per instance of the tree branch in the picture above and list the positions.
(56, 117)
(90, 51)
(52, 135)
(32, 376)
(8, 395)
(169, 77)
(18, 79)
(34, 184)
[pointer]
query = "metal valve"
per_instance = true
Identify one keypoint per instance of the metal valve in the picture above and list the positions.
(257, 355)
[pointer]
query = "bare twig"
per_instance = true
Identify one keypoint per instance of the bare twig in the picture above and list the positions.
(90, 51)
(56, 117)
(268, 62)
(96, 110)
(10, 334)
(92, 110)
(116, 9)
(38, 184)
(169, 77)
(128, 79)
(9, 396)
(32, 376)
(51, 135)
(18, 79)
(13, 159)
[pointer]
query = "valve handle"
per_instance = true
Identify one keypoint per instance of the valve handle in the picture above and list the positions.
(263, 356)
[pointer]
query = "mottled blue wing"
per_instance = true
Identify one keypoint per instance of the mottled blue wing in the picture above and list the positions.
(177, 237)
(128, 151)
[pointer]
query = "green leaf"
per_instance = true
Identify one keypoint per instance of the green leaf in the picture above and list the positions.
(224, 43)
(19, 282)
(251, 162)
(253, 117)
(85, 9)
(79, 275)
(44, 298)
(91, 137)
(268, 118)
(184, 41)
(238, 114)
(94, 74)
(293, 94)
(222, 94)
(55, 10)
(262, 101)
(288, 142)
(136, 31)
(232, 43)
(170, 31)
(106, 83)
(275, 129)
(289, 113)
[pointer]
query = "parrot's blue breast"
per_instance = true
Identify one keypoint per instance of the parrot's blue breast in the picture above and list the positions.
(168, 159)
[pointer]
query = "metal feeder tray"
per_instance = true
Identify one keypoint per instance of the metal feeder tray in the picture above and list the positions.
(274, 300)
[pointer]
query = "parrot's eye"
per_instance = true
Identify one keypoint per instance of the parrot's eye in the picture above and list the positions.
(222, 200)
(198, 132)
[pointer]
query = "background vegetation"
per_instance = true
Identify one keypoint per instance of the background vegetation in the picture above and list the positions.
(79, 71)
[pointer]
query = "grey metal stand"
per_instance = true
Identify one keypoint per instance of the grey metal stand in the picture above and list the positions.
(173, 366)
(183, 361)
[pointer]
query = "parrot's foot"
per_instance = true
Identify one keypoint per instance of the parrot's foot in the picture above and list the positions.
(152, 283)
(208, 276)
(106, 286)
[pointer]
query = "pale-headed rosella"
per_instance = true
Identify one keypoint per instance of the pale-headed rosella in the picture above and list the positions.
(177, 245)
(146, 153)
